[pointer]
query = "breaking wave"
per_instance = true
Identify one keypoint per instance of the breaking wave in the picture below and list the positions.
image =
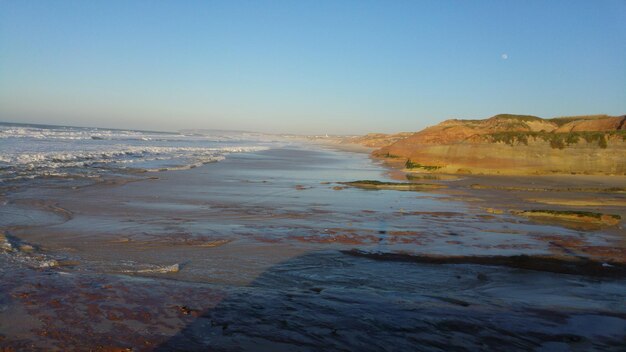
(30, 151)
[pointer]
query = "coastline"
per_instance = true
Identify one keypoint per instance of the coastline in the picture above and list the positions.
(263, 233)
(283, 176)
(507, 144)
(511, 193)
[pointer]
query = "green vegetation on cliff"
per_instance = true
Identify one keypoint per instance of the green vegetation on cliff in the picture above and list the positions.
(523, 118)
(591, 144)
(557, 140)
(560, 121)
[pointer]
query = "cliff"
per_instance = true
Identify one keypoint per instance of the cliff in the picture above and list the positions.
(515, 144)
(377, 140)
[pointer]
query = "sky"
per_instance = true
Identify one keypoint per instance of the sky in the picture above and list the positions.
(307, 67)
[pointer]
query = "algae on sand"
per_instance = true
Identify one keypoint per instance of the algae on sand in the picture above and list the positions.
(398, 186)
(571, 215)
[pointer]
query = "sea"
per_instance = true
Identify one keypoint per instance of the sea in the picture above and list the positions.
(30, 151)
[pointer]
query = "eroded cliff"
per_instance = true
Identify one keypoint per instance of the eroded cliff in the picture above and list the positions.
(515, 144)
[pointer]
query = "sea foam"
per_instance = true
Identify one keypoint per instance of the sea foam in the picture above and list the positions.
(30, 151)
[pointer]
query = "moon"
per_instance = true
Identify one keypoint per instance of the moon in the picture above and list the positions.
(505, 56)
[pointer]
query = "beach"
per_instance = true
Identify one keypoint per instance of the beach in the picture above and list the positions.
(271, 250)
(303, 176)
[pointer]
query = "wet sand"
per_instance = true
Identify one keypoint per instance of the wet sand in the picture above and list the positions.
(256, 253)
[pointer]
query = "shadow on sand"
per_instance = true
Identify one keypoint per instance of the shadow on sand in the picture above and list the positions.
(334, 301)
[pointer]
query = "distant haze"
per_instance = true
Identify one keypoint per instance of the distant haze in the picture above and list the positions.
(309, 67)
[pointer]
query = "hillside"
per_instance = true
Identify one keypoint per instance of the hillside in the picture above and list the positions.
(377, 140)
(515, 144)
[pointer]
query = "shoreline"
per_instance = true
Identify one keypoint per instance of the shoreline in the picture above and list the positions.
(566, 190)
(260, 234)
(510, 194)
(514, 193)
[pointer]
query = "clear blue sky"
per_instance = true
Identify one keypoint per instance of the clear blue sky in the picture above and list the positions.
(307, 66)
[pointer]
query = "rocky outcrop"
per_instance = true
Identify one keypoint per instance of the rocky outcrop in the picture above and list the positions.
(515, 144)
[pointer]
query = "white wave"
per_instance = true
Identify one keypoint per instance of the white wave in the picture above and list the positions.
(31, 151)
(187, 166)
(70, 133)
(81, 158)
(25, 254)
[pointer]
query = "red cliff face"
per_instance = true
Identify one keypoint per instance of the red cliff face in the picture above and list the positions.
(615, 123)
(515, 144)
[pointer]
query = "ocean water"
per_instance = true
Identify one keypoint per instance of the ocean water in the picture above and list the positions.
(29, 151)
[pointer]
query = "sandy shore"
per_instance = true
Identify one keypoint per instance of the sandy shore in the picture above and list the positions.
(255, 253)
(599, 194)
